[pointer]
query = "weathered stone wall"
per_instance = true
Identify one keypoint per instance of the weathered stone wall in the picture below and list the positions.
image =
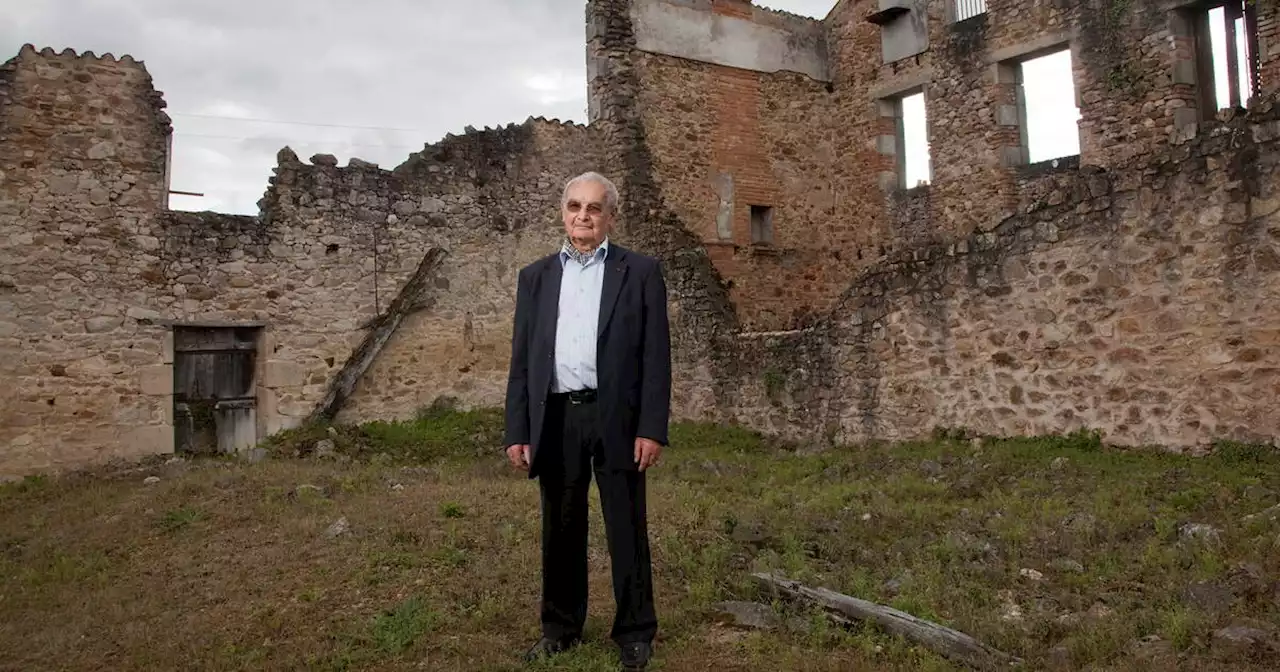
(96, 271)
(821, 152)
(1137, 301)
(83, 147)
(1129, 291)
(1003, 297)
(491, 199)
(724, 139)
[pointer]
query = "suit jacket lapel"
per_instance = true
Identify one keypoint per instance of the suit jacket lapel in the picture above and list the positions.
(549, 308)
(615, 270)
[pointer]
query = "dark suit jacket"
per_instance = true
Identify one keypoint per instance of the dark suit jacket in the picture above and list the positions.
(633, 354)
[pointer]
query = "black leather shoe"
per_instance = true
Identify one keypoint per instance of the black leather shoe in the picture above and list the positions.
(549, 647)
(635, 656)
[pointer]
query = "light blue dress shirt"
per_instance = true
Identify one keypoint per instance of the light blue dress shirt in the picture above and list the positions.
(580, 288)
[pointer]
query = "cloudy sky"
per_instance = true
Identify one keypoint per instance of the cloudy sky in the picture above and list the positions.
(374, 79)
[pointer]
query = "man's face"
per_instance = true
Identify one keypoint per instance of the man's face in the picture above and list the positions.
(587, 218)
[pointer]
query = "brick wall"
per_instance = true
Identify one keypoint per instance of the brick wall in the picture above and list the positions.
(724, 139)
(1269, 44)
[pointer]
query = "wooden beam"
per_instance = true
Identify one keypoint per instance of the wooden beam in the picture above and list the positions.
(1251, 43)
(380, 331)
(953, 644)
(1231, 12)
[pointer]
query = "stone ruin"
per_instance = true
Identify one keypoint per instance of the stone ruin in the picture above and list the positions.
(815, 293)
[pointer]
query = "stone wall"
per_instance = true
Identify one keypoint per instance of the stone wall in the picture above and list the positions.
(1004, 297)
(1127, 290)
(491, 200)
(83, 145)
(724, 139)
(97, 273)
(1138, 301)
(819, 145)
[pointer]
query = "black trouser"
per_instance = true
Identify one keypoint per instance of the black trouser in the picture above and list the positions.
(571, 451)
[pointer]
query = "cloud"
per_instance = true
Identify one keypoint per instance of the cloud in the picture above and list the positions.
(405, 73)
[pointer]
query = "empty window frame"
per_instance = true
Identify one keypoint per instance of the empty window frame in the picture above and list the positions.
(1046, 114)
(967, 9)
(1227, 55)
(912, 141)
(761, 225)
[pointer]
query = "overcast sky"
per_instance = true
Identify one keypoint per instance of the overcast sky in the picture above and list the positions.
(374, 79)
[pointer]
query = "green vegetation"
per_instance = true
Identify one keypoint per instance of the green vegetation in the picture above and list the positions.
(1057, 549)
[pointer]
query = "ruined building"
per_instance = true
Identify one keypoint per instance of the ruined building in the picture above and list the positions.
(826, 282)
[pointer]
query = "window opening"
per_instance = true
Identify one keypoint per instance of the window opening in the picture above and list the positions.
(761, 225)
(1232, 29)
(967, 9)
(1047, 102)
(913, 141)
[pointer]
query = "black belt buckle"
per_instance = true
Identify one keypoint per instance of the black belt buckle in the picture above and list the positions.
(578, 397)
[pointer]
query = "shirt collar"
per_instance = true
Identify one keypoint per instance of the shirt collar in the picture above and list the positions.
(567, 251)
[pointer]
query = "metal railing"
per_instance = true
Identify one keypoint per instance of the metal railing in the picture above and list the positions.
(967, 9)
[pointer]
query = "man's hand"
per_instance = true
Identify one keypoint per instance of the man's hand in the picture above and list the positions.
(518, 454)
(647, 452)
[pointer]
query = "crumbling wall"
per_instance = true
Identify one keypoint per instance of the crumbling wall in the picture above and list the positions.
(490, 199)
(701, 312)
(819, 144)
(1128, 291)
(97, 273)
(83, 143)
(1137, 301)
(727, 134)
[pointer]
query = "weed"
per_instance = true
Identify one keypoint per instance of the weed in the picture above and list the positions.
(177, 519)
(395, 630)
(451, 510)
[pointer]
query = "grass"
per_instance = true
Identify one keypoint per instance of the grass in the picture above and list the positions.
(232, 566)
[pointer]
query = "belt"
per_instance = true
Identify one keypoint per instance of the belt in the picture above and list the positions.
(577, 397)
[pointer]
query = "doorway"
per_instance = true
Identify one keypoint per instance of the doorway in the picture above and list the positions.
(215, 371)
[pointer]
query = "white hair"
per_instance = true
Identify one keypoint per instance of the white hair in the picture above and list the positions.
(610, 190)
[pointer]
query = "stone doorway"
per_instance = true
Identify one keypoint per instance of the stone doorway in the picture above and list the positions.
(215, 372)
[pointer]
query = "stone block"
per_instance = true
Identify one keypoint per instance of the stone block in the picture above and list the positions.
(101, 324)
(136, 313)
(1011, 156)
(887, 144)
(1007, 115)
(156, 379)
(1185, 116)
(1184, 72)
(280, 373)
(147, 440)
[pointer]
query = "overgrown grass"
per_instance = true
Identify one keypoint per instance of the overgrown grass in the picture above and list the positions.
(1059, 550)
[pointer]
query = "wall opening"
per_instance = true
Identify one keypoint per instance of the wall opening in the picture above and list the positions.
(914, 162)
(1044, 110)
(904, 140)
(1228, 56)
(761, 225)
(1049, 97)
(967, 9)
(215, 372)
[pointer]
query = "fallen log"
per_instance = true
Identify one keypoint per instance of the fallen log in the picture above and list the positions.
(379, 332)
(940, 639)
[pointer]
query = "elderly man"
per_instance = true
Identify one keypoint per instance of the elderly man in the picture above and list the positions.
(589, 393)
